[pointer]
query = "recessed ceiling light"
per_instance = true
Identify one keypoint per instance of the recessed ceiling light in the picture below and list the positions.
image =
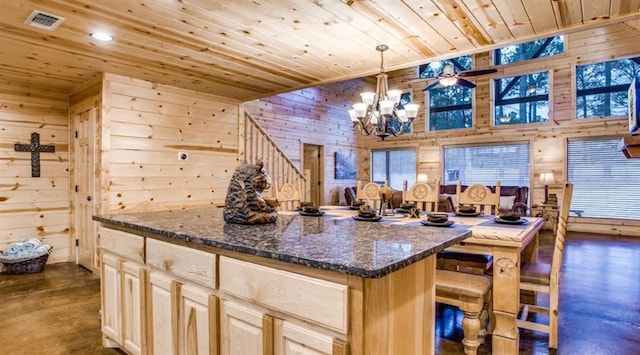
(102, 36)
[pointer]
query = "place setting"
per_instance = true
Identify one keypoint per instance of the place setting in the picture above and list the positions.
(367, 215)
(510, 218)
(309, 209)
(436, 219)
(467, 211)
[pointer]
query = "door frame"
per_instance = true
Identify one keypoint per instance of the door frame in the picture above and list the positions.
(321, 175)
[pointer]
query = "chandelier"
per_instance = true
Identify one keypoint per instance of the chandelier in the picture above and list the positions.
(380, 112)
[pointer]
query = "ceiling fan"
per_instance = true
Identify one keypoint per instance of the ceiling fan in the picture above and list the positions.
(449, 77)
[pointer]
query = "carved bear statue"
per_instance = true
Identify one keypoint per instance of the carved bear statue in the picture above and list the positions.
(244, 203)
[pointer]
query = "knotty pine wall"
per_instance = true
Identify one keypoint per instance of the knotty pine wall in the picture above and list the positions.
(547, 140)
(312, 116)
(34, 206)
(148, 125)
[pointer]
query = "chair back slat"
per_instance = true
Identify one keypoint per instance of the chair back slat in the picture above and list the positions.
(480, 197)
(288, 195)
(561, 233)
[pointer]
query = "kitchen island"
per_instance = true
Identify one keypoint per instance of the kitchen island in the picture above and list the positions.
(187, 282)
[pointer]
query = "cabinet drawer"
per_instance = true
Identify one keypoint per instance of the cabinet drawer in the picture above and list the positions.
(311, 299)
(186, 263)
(127, 245)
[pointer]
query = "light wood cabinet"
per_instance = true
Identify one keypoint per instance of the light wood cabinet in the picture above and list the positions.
(198, 325)
(243, 330)
(162, 302)
(123, 303)
(292, 339)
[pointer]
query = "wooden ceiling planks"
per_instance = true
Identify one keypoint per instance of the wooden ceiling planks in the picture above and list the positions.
(248, 49)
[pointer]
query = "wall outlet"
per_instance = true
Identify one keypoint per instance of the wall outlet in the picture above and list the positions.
(183, 156)
(223, 178)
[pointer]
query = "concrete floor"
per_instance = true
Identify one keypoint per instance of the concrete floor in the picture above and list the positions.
(57, 311)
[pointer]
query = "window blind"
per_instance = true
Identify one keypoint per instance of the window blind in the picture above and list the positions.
(394, 166)
(486, 164)
(605, 183)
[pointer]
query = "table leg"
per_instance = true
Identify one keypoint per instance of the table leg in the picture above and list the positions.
(506, 300)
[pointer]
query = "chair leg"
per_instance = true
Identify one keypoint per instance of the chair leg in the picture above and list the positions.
(553, 320)
(471, 329)
(486, 314)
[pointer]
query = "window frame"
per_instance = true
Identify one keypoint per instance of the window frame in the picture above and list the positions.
(387, 169)
(574, 88)
(564, 53)
(493, 99)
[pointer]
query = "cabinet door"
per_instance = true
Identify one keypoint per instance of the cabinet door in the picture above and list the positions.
(163, 316)
(198, 321)
(292, 339)
(133, 281)
(111, 302)
(242, 330)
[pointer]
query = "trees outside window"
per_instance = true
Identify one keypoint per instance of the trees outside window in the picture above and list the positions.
(521, 99)
(449, 107)
(530, 50)
(601, 88)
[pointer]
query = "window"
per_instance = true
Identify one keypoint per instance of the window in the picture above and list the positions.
(449, 107)
(601, 88)
(605, 183)
(521, 99)
(524, 51)
(405, 98)
(486, 164)
(394, 166)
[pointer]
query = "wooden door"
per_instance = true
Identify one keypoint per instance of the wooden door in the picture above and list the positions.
(242, 330)
(133, 281)
(162, 326)
(111, 299)
(313, 158)
(85, 227)
(198, 314)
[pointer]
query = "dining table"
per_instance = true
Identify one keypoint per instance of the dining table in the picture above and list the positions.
(510, 243)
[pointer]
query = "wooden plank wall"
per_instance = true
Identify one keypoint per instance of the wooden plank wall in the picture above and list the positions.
(34, 206)
(148, 125)
(312, 116)
(547, 140)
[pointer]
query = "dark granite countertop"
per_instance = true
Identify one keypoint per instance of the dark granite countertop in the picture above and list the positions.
(365, 249)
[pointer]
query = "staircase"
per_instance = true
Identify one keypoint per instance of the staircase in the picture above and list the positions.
(257, 144)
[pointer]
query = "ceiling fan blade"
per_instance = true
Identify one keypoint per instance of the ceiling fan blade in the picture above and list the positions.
(434, 85)
(477, 72)
(466, 83)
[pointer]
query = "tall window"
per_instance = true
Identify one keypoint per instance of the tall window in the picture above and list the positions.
(449, 107)
(545, 47)
(601, 88)
(605, 183)
(521, 99)
(486, 164)
(394, 166)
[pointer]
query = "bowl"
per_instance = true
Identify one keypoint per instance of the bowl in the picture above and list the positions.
(407, 206)
(467, 209)
(310, 209)
(437, 217)
(307, 203)
(510, 216)
(357, 203)
(367, 213)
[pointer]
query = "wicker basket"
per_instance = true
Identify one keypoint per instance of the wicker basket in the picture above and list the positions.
(29, 266)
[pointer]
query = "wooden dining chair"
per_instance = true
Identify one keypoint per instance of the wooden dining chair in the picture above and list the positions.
(369, 193)
(288, 195)
(543, 277)
(480, 197)
(485, 201)
(424, 196)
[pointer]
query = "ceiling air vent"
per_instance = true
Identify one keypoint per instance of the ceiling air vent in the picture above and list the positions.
(43, 20)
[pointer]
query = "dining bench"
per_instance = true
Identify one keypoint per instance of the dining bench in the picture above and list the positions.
(471, 293)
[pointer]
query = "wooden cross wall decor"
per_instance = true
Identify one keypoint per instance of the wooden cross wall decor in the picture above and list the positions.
(35, 148)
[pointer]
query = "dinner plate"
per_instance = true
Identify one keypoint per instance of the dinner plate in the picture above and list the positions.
(504, 221)
(426, 222)
(312, 214)
(468, 214)
(372, 219)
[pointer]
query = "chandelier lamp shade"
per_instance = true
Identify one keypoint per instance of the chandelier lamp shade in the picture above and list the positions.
(380, 113)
